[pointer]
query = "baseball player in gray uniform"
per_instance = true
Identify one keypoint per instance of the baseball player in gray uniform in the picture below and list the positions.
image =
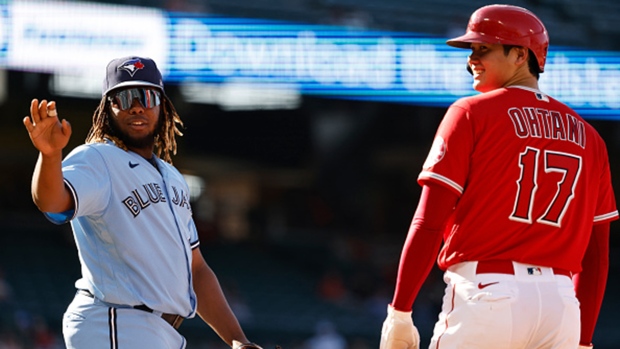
(129, 208)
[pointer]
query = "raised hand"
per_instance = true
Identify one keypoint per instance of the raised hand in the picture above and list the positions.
(48, 134)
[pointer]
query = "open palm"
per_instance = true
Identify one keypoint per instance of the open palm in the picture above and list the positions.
(47, 132)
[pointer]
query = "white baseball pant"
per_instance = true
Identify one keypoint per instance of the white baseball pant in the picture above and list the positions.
(507, 305)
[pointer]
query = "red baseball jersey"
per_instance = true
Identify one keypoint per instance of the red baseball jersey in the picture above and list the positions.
(532, 175)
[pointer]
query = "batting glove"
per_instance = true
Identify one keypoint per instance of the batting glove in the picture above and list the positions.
(398, 331)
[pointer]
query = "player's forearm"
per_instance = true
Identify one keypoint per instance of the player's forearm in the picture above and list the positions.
(48, 188)
(213, 307)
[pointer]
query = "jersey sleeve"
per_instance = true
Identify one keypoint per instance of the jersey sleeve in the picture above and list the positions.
(448, 160)
(66, 216)
(194, 241)
(606, 210)
(87, 176)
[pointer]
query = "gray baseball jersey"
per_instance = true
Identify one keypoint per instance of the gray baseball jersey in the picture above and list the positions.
(133, 228)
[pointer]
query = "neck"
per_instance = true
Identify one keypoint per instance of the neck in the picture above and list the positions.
(523, 77)
(143, 152)
(532, 85)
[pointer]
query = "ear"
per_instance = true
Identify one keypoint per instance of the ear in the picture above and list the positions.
(522, 55)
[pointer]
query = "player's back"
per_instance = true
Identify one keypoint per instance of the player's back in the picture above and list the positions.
(534, 181)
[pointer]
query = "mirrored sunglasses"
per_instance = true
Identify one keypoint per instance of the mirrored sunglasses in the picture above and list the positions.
(123, 99)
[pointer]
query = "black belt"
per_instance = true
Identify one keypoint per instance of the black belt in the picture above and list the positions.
(173, 319)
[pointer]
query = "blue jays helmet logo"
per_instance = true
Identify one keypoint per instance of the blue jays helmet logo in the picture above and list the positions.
(131, 66)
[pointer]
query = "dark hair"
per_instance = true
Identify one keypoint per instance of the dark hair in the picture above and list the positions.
(532, 62)
(165, 139)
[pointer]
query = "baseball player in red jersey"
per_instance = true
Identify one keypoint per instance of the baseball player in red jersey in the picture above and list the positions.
(518, 186)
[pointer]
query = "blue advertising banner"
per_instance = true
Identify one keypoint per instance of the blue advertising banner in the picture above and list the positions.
(77, 39)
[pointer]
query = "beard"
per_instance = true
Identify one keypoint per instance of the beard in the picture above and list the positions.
(146, 142)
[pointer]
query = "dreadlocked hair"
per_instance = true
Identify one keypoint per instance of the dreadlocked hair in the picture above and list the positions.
(165, 139)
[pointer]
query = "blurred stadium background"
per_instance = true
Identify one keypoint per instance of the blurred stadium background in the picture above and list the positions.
(302, 206)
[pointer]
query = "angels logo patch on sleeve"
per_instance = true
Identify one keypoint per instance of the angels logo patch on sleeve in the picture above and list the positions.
(437, 152)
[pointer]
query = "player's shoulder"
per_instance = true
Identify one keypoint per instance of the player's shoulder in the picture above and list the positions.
(104, 145)
(171, 170)
(565, 109)
(475, 107)
(508, 94)
(469, 102)
(569, 113)
(96, 150)
(168, 167)
(86, 148)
